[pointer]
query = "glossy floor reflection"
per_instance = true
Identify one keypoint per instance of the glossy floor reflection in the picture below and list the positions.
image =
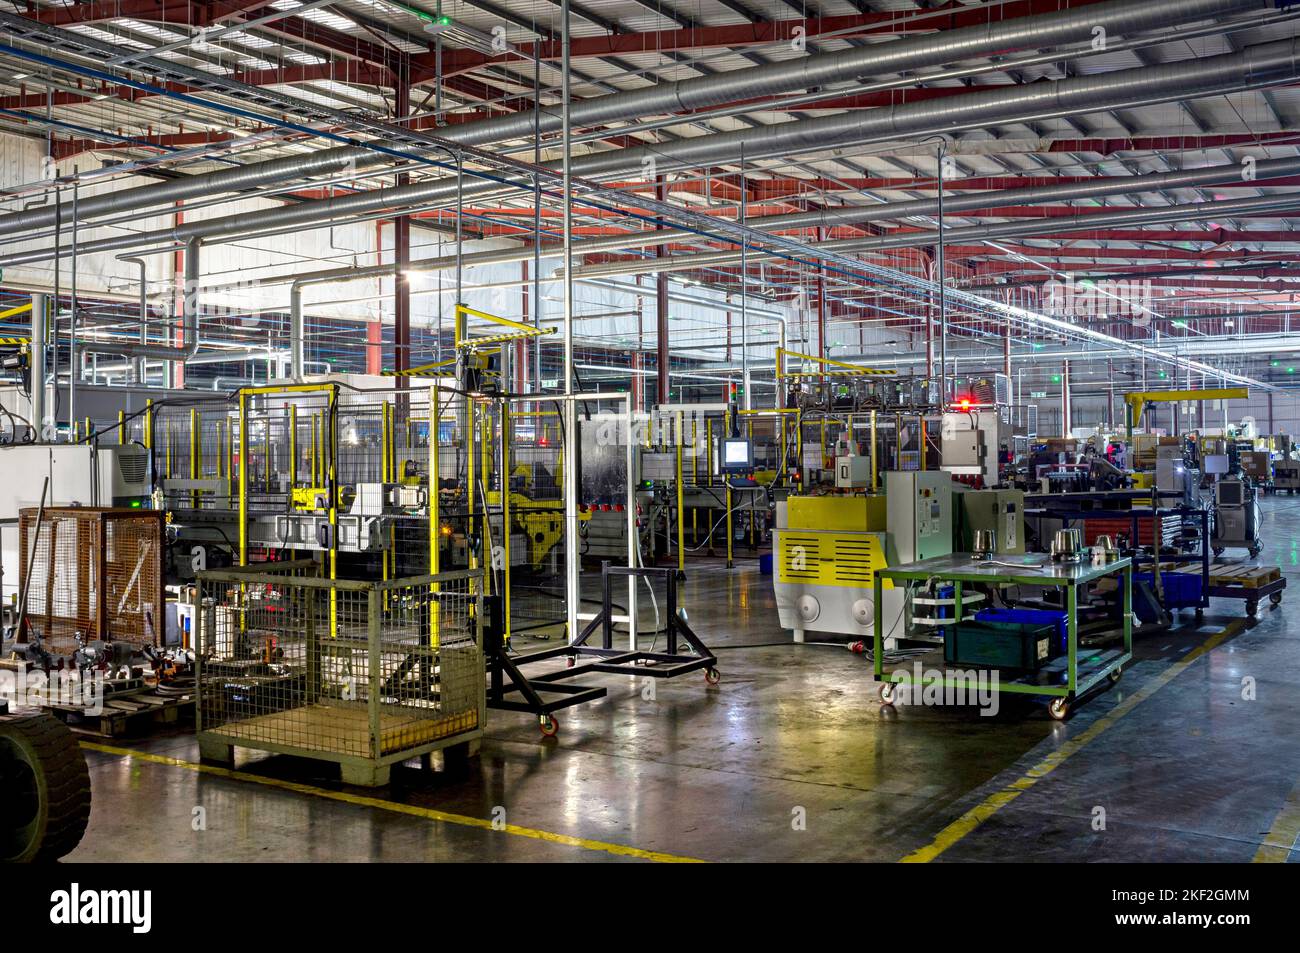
(790, 758)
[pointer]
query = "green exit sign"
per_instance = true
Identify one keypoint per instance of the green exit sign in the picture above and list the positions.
(1037, 393)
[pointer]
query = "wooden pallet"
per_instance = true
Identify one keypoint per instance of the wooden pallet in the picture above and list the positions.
(125, 714)
(1247, 577)
(1253, 577)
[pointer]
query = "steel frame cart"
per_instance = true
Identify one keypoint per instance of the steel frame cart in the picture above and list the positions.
(545, 693)
(1064, 683)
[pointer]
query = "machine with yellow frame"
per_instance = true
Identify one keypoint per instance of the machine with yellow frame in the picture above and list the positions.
(830, 547)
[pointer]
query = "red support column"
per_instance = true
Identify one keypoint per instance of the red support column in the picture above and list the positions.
(374, 347)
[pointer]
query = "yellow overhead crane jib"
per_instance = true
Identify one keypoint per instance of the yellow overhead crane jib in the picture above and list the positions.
(839, 367)
(518, 331)
(1137, 400)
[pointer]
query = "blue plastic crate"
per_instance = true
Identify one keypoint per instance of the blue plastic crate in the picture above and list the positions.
(1031, 617)
(1182, 590)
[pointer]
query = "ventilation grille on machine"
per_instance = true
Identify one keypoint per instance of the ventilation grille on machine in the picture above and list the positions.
(800, 557)
(133, 467)
(854, 560)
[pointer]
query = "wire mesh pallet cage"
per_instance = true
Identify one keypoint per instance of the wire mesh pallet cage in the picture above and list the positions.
(363, 673)
(90, 573)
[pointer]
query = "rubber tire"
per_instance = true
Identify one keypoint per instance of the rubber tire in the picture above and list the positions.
(44, 790)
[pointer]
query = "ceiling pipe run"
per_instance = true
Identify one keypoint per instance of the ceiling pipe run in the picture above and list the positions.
(242, 179)
(851, 215)
(1117, 17)
(1253, 67)
(1020, 228)
(873, 59)
(189, 345)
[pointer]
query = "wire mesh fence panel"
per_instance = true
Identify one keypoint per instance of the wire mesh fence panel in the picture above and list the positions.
(340, 670)
(90, 573)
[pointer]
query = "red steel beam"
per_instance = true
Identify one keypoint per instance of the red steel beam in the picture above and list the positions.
(955, 16)
(158, 11)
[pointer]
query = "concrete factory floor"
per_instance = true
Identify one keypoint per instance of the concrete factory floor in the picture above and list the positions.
(1184, 768)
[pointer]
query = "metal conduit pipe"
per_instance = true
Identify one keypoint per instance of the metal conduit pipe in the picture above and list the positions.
(1256, 66)
(873, 59)
(141, 363)
(189, 322)
(40, 309)
(239, 179)
(975, 233)
(853, 215)
(1119, 16)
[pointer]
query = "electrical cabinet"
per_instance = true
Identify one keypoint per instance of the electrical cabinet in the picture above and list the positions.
(919, 508)
(1002, 511)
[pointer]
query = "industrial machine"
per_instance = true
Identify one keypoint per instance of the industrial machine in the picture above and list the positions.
(1236, 516)
(1000, 512)
(978, 438)
(828, 549)
(852, 468)
(1286, 475)
(44, 788)
(1176, 473)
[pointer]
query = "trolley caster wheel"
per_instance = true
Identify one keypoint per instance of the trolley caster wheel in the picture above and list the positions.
(1115, 676)
(1200, 614)
(1059, 709)
(1255, 551)
(1275, 598)
(888, 693)
(1218, 550)
(1252, 609)
(549, 725)
(569, 662)
(712, 676)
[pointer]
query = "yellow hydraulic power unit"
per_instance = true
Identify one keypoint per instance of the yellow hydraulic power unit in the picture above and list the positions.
(828, 549)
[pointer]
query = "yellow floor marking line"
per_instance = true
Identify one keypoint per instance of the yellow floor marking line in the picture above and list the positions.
(427, 813)
(981, 812)
(1281, 838)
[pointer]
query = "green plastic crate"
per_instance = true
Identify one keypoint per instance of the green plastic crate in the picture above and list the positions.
(999, 645)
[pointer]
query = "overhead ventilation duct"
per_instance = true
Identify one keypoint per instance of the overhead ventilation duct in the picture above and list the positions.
(876, 59)
(1253, 67)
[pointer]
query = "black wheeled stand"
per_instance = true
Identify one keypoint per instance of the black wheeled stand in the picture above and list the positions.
(509, 689)
(548, 692)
